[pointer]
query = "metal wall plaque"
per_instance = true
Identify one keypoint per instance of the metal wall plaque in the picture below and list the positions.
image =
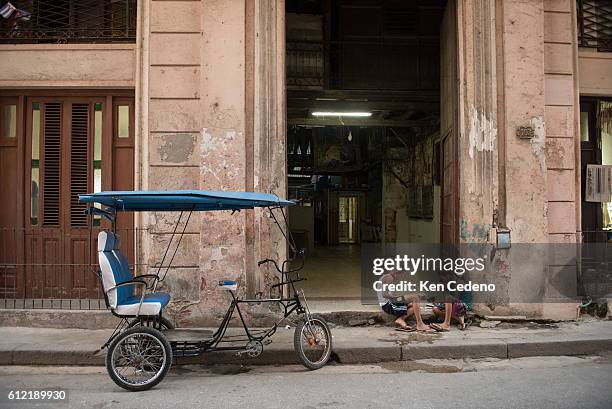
(525, 132)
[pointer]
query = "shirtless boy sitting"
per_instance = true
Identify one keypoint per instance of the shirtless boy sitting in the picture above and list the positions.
(397, 306)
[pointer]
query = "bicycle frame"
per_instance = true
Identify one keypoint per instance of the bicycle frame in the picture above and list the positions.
(290, 304)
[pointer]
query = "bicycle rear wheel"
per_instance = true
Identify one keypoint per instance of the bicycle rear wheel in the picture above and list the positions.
(312, 341)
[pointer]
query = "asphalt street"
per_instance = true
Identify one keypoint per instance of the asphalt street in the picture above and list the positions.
(551, 382)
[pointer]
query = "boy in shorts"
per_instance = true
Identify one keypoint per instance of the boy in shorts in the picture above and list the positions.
(397, 306)
(456, 310)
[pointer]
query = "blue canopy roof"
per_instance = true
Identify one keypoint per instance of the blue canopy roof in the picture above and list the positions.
(177, 200)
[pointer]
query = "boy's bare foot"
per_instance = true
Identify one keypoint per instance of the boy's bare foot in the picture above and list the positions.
(402, 324)
(425, 328)
(440, 327)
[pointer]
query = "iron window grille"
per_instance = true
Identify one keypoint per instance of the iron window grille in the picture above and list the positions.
(71, 21)
(595, 24)
(33, 275)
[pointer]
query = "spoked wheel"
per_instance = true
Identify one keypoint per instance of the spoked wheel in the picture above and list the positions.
(159, 323)
(139, 358)
(313, 342)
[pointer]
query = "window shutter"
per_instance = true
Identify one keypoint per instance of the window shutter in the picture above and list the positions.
(52, 157)
(79, 163)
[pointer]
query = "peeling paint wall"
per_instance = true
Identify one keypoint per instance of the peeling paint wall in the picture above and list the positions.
(482, 132)
(196, 114)
(524, 106)
(539, 93)
(222, 149)
(171, 111)
(270, 133)
(524, 161)
(478, 160)
(561, 107)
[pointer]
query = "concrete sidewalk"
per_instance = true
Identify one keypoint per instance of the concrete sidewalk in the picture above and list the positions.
(371, 344)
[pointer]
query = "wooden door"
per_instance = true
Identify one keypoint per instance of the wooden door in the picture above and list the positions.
(52, 149)
(11, 180)
(123, 167)
(348, 219)
(449, 210)
(70, 148)
(590, 153)
(60, 148)
(449, 223)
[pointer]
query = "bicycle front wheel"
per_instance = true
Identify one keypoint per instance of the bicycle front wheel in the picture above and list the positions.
(313, 342)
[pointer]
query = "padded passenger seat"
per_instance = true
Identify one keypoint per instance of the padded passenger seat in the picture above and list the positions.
(115, 270)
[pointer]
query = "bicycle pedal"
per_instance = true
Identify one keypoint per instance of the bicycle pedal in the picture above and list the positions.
(267, 342)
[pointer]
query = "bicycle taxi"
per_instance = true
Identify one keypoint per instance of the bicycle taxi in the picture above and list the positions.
(142, 347)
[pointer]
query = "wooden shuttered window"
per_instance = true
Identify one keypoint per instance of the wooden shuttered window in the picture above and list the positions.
(58, 157)
(79, 162)
(51, 165)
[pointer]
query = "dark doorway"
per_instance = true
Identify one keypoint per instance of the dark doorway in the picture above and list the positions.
(366, 157)
(595, 149)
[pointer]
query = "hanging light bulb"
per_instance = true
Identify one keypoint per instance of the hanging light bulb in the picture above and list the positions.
(349, 136)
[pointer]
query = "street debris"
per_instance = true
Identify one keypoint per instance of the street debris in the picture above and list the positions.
(508, 318)
(357, 322)
(489, 324)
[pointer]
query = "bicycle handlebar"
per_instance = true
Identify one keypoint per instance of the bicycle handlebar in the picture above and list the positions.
(270, 261)
(279, 269)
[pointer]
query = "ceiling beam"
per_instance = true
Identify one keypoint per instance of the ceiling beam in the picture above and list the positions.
(368, 94)
(343, 105)
(334, 121)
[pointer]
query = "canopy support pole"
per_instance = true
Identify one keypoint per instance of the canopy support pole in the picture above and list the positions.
(285, 232)
(177, 244)
(169, 243)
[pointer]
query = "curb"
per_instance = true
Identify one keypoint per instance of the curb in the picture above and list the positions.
(588, 346)
(55, 358)
(501, 349)
(488, 349)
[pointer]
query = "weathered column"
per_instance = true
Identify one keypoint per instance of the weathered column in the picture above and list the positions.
(561, 113)
(524, 107)
(526, 46)
(170, 159)
(477, 120)
(561, 117)
(521, 270)
(269, 136)
(243, 138)
(214, 101)
(222, 147)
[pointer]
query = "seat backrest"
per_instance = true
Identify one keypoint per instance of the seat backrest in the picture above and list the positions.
(109, 266)
(123, 261)
(112, 273)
